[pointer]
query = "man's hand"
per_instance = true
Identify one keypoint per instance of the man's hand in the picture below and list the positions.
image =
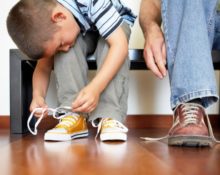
(155, 50)
(86, 100)
(38, 102)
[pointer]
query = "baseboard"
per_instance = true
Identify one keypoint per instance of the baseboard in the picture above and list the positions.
(132, 121)
(160, 121)
(4, 122)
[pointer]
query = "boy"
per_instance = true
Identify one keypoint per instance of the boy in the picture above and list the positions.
(60, 34)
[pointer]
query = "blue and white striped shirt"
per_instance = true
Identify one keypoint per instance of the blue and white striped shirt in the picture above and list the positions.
(103, 15)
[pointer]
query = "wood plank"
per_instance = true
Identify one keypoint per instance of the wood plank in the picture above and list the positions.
(87, 156)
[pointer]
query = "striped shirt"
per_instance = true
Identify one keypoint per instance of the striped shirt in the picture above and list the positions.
(102, 15)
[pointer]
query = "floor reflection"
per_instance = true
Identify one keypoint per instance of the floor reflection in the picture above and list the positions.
(175, 156)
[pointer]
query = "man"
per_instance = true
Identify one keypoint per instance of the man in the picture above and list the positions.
(184, 47)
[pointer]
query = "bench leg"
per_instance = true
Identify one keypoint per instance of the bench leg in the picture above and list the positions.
(20, 92)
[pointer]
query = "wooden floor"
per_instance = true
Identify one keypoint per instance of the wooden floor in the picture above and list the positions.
(21, 155)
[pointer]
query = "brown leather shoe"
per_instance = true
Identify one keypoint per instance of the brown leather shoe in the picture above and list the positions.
(189, 128)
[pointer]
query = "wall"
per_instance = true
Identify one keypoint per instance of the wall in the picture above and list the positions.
(148, 95)
(5, 45)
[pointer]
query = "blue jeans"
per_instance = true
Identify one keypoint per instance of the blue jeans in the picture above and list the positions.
(189, 29)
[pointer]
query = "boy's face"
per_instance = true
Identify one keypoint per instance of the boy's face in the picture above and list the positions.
(66, 35)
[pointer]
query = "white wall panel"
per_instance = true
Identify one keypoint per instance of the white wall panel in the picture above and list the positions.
(148, 95)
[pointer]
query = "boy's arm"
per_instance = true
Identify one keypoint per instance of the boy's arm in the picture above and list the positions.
(88, 98)
(40, 81)
(118, 52)
(154, 48)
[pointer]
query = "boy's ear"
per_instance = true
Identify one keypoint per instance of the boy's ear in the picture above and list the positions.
(58, 17)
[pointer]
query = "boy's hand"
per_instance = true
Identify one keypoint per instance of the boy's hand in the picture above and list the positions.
(86, 100)
(155, 50)
(38, 102)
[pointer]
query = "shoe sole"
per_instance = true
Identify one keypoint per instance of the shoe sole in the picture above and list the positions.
(113, 137)
(65, 137)
(190, 141)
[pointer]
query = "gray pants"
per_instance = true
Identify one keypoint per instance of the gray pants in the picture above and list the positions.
(71, 72)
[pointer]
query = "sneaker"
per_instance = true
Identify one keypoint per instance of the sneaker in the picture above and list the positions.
(189, 128)
(111, 129)
(71, 126)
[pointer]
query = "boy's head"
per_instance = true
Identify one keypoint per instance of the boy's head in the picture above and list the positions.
(40, 28)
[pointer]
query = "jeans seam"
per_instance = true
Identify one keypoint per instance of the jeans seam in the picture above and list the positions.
(164, 16)
(211, 20)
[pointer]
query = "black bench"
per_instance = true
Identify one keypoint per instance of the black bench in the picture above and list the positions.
(21, 70)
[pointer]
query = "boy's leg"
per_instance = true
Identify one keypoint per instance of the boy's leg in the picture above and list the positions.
(112, 106)
(189, 32)
(113, 100)
(70, 70)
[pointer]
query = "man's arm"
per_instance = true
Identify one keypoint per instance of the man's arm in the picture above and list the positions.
(40, 81)
(154, 48)
(87, 99)
(150, 14)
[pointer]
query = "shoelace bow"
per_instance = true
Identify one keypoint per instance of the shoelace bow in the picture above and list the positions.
(55, 114)
(111, 123)
(190, 111)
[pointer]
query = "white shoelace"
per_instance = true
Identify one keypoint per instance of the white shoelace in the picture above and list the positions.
(51, 111)
(112, 122)
(190, 117)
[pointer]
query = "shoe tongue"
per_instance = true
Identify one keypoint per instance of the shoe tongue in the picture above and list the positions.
(190, 111)
(189, 106)
(67, 117)
(108, 120)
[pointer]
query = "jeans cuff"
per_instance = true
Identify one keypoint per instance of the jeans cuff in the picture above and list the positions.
(208, 97)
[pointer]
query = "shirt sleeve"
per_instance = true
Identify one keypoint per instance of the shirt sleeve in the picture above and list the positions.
(105, 17)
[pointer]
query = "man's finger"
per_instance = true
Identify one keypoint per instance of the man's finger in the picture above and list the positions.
(151, 63)
(164, 54)
(158, 58)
